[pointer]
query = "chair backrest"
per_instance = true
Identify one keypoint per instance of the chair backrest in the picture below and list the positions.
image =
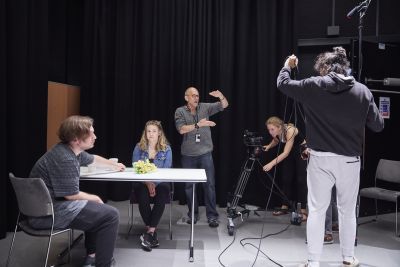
(33, 197)
(388, 170)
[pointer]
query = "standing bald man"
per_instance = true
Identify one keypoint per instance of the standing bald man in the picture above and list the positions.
(192, 122)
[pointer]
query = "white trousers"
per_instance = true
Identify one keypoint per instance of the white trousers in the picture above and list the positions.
(324, 170)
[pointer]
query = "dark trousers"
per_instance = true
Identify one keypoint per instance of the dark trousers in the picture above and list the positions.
(294, 178)
(151, 216)
(100, 224)
(202, 162)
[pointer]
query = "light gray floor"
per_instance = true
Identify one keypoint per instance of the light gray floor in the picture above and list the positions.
(377, 245)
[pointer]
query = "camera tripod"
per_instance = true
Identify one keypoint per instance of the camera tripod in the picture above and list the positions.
(232, 212)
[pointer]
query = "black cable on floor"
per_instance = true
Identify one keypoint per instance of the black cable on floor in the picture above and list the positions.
(265, 255)
(265, 213)
(219, 256)
(268, 235)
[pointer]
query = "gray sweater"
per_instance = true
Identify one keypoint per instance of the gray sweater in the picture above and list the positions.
(337, 109)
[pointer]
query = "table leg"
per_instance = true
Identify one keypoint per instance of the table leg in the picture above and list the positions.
(191, 257)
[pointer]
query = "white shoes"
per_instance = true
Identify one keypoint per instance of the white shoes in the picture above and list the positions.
(355, 263)
(309, 264)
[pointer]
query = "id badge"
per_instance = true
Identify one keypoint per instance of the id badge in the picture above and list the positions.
(197, 138)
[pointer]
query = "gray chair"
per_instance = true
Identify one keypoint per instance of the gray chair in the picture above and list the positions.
(389, 172)
(34, 200)
(133, 200)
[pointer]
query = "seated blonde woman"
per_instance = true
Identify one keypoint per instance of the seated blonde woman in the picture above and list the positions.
(153, 146)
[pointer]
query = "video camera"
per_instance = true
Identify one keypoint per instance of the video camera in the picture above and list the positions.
(252, 139)
(254, 143)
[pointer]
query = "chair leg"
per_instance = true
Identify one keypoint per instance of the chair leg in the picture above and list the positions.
(376, 209)
(70, 234)
(12, 242)
(48, 248)
(130, 219)
(396, 217)
(170, 220)
(68, 249)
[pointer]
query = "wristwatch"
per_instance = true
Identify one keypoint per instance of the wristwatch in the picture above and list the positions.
(196, 126)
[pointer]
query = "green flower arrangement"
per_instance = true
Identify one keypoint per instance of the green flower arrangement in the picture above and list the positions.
(146, 166)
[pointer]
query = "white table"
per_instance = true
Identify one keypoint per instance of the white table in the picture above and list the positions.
(160, 175)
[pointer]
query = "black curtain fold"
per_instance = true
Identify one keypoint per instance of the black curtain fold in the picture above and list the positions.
(140, 56)
(3, 120)
(23, 82)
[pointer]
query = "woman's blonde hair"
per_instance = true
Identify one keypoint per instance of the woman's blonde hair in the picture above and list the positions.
(277, 122)
(162, 141)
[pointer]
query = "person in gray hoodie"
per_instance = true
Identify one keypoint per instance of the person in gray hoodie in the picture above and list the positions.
(337, 109)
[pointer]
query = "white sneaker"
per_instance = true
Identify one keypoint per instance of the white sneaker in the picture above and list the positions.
(309, 264)
(355, 263)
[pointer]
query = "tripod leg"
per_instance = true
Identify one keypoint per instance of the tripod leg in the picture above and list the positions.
(241, 185)
(231, 226)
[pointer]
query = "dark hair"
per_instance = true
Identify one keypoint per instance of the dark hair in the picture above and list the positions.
(75, 127)
(335, 61)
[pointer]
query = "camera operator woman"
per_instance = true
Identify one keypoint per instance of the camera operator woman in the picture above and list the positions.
(294, 167)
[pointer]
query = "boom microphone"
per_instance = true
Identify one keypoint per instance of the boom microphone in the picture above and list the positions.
(356, 9)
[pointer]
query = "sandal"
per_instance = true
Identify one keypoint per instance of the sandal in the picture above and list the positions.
(280, 212)
(328, 239)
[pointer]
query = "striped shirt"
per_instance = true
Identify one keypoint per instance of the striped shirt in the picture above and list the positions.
(60, 170)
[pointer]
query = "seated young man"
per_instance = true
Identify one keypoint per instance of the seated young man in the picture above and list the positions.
(60, 169)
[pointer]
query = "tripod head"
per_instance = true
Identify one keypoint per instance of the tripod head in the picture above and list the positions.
(253, 141)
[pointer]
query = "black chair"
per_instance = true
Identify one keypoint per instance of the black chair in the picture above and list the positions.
(133, 200)
(387, 171)
(34, 200)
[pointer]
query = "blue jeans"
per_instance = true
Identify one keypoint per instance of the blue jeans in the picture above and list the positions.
(202, 162)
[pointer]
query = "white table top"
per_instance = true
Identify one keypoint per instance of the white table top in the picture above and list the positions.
(160, 175)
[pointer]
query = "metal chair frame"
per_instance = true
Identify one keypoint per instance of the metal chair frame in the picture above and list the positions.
(25, 212)
(388, 171)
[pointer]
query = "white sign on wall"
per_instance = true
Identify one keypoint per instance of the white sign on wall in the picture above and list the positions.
(384, 107)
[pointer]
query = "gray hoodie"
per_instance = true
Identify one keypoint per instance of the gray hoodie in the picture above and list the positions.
(337, 109)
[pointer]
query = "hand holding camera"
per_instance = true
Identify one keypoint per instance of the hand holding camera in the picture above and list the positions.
(291, 62)
(304, 151)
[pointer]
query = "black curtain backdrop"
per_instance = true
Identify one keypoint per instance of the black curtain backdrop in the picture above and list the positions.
(140, 56)
(3, 120)
(23, 95)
